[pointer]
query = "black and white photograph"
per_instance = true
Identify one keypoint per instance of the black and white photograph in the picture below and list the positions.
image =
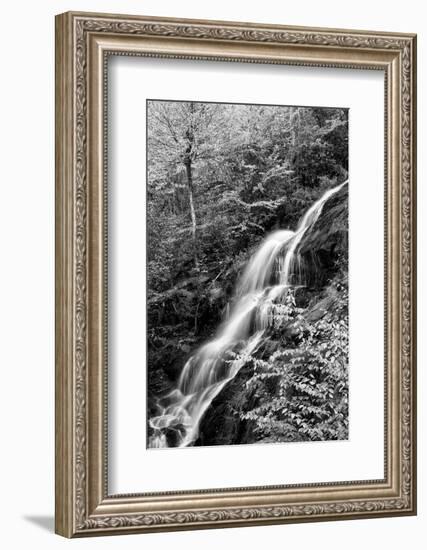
(247, 261)
(213, 254)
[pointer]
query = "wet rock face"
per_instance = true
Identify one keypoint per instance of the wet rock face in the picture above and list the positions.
(326, 242)
(221, 424)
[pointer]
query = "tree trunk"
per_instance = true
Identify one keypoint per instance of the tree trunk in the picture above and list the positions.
(188, 161)
(189, 172)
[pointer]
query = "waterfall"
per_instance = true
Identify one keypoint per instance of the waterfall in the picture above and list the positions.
(268, 275)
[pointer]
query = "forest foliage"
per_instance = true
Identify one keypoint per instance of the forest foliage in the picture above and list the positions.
(220, 177)
(301, 389)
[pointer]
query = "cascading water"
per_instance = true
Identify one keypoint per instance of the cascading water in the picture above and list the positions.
(264, 281)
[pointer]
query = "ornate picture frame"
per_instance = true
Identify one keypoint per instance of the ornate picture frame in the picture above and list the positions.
(84, 42)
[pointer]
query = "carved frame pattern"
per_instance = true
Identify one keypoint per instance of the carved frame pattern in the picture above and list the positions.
(75, 513)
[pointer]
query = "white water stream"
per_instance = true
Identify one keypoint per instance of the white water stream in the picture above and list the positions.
(264, 281)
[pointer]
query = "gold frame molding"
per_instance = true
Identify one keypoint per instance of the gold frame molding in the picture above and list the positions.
(83, 43)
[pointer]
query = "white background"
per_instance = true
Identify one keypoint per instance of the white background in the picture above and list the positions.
(132, 80)
(26, 301)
